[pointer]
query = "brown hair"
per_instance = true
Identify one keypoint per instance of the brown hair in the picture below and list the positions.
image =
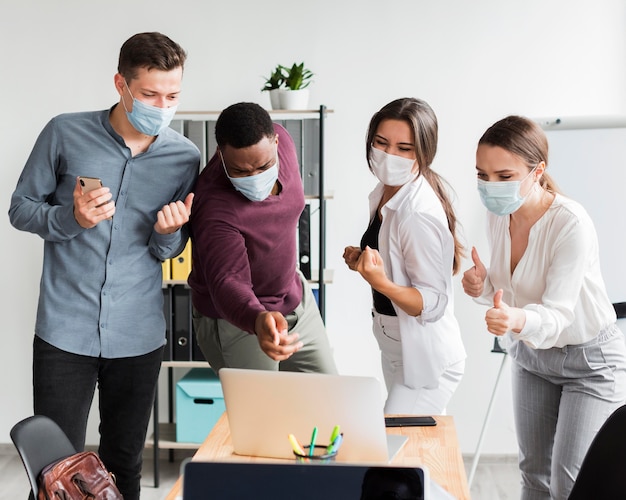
(151, 51)
(423, 122)
(525, 139)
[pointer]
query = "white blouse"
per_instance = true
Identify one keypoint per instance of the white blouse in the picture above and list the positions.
(557, 282)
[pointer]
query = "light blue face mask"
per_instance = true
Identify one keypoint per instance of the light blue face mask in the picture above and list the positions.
(255, 187)
(502, 198)
(149, 120)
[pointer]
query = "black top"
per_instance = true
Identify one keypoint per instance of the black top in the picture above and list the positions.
(382, 304)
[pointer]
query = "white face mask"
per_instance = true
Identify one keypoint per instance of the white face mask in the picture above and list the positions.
(391, 170)
(255, 187)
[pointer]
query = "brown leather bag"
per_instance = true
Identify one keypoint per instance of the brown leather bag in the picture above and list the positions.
(79, 476)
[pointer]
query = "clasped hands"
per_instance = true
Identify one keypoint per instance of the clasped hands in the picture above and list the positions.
(368, 263)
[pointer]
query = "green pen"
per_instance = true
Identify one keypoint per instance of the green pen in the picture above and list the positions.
(334, 435)
(312, 445)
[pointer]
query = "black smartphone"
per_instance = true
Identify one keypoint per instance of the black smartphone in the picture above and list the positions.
(409, 421)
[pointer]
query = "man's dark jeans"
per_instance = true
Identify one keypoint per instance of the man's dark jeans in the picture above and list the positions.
(63, 389)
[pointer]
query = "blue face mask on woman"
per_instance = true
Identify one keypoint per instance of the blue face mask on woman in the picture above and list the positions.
(502, 198)
(255, 187)
(149, 120)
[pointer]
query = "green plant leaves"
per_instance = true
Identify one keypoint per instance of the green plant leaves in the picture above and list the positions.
(275, 80)
(298, 77)
(294, 78)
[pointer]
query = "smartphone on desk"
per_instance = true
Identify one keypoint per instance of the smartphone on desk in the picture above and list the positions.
(409, 421)
(89, 183)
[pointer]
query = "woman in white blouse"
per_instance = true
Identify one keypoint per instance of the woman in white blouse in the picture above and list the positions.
(548, 297)
(408, 254)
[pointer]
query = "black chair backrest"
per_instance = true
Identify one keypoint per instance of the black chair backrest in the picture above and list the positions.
(40, 442)
(603, 471)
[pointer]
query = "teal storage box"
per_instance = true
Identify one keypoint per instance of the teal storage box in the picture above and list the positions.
(199, 404)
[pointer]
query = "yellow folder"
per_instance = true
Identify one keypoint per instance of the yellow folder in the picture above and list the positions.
(166, 266)
(181, 265)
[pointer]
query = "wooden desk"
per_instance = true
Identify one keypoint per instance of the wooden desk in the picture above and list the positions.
(435, 447)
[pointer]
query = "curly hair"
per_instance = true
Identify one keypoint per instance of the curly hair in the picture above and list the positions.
(243, 124)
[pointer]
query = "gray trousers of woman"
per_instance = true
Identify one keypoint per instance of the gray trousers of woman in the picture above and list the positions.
(562, 396)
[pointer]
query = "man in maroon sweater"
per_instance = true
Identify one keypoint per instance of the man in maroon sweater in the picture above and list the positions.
(252, 307)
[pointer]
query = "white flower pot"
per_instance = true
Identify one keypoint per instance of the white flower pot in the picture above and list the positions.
(275, 98)
(294, 99)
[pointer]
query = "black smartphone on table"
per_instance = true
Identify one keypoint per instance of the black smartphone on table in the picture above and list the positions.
(409, 421)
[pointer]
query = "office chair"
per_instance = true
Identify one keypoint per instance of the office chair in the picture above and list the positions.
(40, 442)
(602, 473)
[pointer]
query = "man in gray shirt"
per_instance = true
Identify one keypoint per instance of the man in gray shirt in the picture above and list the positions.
(100, 313)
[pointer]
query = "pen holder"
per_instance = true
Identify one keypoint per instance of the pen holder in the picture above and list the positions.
(319, 454)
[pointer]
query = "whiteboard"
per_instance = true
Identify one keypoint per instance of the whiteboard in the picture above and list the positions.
(587, 158)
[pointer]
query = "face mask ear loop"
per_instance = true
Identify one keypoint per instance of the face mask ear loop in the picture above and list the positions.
(536, 185)
(223, 163)
(129, 92)
(536, 178)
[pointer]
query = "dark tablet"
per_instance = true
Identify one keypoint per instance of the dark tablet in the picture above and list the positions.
(289, 481)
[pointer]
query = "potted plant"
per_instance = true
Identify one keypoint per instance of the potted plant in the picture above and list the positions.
(273, 85)
(296, 94)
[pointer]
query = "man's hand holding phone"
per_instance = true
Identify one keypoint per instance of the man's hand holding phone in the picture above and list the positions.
(92, 202)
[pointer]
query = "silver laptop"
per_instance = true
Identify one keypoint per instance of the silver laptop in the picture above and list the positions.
(264, 407)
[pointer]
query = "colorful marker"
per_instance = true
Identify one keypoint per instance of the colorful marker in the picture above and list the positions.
(312, 445)
(333, 436)
(336, 443)
(295, 445)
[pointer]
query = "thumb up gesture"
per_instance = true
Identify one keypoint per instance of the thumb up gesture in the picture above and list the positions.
(474, 278)
(498, 318)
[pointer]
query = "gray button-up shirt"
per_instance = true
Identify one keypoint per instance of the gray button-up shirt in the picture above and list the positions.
(100, 290)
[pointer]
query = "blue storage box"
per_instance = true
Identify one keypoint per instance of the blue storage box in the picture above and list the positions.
(199, 404)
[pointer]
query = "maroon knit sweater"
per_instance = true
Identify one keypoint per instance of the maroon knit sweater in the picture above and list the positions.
(244, 252)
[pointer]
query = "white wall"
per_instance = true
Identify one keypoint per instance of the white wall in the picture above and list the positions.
(474, 62)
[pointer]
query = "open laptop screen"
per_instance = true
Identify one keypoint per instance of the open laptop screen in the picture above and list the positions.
(289, 481)
(264, 407)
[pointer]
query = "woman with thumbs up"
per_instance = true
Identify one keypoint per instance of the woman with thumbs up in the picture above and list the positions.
(548, 297)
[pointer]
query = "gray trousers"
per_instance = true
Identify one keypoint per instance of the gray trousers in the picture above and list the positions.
(225, 345)
(562, 396)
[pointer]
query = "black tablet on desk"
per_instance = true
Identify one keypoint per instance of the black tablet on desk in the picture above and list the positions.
(291, 480)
